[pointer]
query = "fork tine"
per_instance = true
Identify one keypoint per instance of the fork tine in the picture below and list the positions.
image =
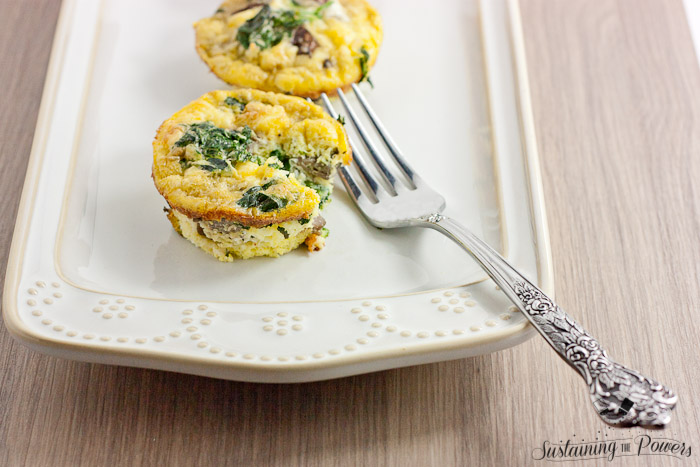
(357, 158)
(393, 148)
(366, 176)
(350, 184)
(371, 148)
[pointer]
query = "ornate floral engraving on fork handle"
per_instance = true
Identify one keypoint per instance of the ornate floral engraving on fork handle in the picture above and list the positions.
(620, 395)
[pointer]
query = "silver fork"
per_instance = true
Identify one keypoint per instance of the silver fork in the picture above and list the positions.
(621, 396)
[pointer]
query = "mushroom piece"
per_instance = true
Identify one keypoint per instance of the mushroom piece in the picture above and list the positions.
(304, 41)
(313, 167)
(318, 223)
(222, 226)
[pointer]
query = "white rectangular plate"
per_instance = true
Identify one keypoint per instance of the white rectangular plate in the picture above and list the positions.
(96, 272)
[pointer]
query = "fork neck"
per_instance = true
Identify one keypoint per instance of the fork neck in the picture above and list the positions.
(493, 263)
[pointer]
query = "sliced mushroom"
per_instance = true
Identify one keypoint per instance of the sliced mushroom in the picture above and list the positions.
(222, 226)
(313, 167)
(304, 41)
(318, 223)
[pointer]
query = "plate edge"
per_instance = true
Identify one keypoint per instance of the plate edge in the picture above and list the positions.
(532, 166)
(19, 235)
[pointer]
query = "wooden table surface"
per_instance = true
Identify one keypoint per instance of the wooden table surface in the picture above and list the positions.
(616, 96)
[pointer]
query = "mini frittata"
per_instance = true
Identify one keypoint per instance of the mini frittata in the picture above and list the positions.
(246, 172)
(299, 47)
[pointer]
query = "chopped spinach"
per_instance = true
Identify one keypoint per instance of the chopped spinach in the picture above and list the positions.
(235, 103)
(267, 28)
(215, 164)
(268, 184)
(364, 66)
(255, 198)
(341, 119)
(220, 148)
(283, 158)
(323, 191)
(283, 231)
(304, 221)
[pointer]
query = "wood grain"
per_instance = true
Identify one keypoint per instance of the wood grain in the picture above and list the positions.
(616, 95)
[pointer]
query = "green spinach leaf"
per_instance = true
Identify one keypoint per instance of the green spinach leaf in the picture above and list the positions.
(283, 158)
(323, 191)
(235, 103)
(255, 198)
(364, 66)
(221, 148)
(267, 28)
(283, 231)
(268, 184)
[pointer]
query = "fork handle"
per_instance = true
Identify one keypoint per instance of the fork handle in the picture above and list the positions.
(620, 395)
